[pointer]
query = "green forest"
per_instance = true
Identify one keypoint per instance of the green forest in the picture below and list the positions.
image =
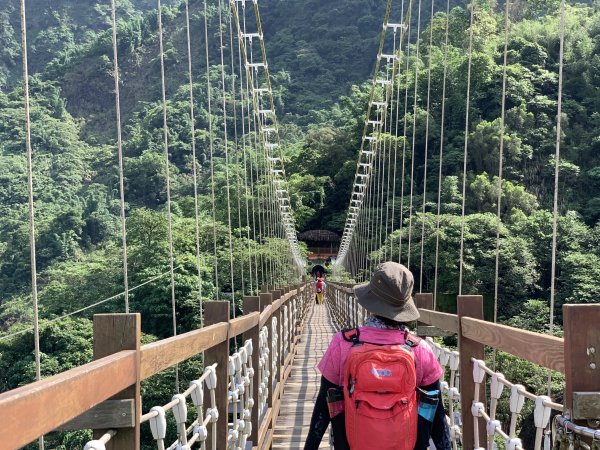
(321, 56)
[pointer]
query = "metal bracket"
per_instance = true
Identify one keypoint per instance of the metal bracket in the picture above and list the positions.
(586, 405)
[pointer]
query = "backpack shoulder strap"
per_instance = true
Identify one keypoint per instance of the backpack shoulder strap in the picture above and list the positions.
(351, 335)
(412, 340)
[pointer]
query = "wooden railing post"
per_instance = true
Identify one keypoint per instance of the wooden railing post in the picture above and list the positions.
(423, 301)
(469, 306)
(215, 312)
(582, 362)
(114, 333)
(252, 304)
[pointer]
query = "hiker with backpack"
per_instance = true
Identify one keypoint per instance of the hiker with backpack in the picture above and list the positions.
(319, 289)
(380, 384)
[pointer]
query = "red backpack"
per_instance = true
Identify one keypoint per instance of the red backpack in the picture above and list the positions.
(319, 285)
(380, 399)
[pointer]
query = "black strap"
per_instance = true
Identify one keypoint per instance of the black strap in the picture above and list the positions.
(351, 335)
(411, 340)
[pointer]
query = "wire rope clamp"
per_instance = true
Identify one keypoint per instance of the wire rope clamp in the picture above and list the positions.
(444, 357)
(478, 371)
(454, 394)
(183, 447)
(514, 444)
(454, 360)
(249, 346)
(197, 394)
(202, 432)
(517, 398)
(541, 413)
(234, 436)
(180, 409)
(158, 423)
(492, 426)
(211, 380)
(455, 432)
(95, 445)
(477, 409)
(213, 413)
(497, 386)
(231, 366)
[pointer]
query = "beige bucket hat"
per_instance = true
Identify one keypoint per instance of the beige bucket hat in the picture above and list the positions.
(388, 294)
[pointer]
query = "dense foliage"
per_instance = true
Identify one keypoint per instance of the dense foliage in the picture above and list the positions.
(321, 54)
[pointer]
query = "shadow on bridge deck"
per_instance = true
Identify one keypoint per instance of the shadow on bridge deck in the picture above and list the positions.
(302, 386)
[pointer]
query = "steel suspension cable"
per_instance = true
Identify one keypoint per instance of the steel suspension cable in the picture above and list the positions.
(32, 252)
(441, 158)
(237, 152)
(194, 159)
(395, 82)
(397, 52)
(465, 156)
(211, 150)
(384, 166)
(243, 93)
(556, 178)
(380, 183)
(402, 183)
(500, 167)
(414, 135)
(351, 224)
(226, 148)
(168, 179)
(426, 147)
(120, 151)
(389, 136)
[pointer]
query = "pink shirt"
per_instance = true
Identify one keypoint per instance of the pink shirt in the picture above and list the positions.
(331, 365)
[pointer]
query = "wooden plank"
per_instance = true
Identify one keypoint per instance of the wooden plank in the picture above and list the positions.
(107, 415)
(215, 313)
(540, 349)
(581, 350)
(163, 354)
(302, 379)
(113, 333)
(243, 323)
(430, 331)
(470, 306)
(444, 321)
(268, 440)
(264, 427)
(67, 395)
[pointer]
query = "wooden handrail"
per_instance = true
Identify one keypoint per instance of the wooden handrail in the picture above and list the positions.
(161, 355)
(444, 321)
(540, 349)
(33, 411)
(243, 323)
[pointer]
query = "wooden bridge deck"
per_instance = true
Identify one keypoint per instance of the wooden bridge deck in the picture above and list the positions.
(302, 386)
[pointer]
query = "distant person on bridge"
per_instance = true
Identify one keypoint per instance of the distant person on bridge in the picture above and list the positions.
(380, 384)
(319, 289)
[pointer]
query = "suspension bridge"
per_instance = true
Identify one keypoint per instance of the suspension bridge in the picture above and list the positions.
(259, 378)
